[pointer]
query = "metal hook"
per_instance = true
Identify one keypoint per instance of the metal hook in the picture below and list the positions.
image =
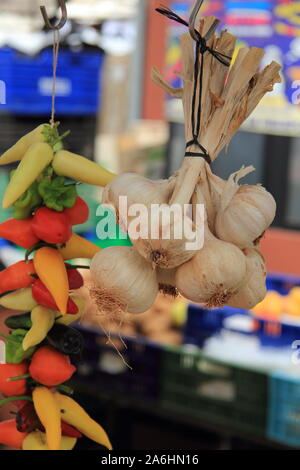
(193, 19)
(64, 18)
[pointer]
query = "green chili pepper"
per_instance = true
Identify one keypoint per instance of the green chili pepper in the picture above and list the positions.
(56, 194)
(26, 203)
(19, 321)
(14, 353)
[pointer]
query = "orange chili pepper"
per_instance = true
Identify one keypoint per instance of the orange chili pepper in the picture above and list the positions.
(51, 269)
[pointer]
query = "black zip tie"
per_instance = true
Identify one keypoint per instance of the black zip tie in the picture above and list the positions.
(201, 48)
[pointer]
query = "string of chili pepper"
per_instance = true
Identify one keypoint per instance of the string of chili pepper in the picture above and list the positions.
(56, 43)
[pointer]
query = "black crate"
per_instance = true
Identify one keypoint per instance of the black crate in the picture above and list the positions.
(134, 369)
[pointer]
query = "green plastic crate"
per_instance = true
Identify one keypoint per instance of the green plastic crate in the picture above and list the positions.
(216, 392)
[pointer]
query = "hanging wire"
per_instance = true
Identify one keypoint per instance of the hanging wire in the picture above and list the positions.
(64, 16)
(56, 42)
(193, 19)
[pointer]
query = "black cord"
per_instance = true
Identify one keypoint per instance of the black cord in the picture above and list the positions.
(201, 48)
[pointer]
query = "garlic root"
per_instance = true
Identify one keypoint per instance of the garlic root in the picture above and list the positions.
(166, 281)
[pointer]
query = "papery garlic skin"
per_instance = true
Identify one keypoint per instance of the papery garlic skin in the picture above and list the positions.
(169, 252)
(253, 289)
(138, 190)
(245, 212)
(213, 275)
(123, 280)
(171, 249)
(164, 254)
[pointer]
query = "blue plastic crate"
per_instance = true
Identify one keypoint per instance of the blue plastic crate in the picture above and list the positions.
(275, 334)
(282, 283)
(29, 82)
(5, 77)
(284, 409)
(202, 323)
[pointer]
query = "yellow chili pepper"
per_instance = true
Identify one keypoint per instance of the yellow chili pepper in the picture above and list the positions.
(81, 169)
(35, 160)
(36, 440)
(17, 151)
(47, 409)
(79, 247)
(19, 300)
(68, 318)
(73, 414)
(50, 267)
(42, 321)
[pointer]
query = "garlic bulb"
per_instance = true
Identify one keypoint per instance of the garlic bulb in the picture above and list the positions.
(165, 253)
(253, 289)
(216, 271)
(245, 211)
(123, 281)
(138, 190)
(176, 234)
(166, 281)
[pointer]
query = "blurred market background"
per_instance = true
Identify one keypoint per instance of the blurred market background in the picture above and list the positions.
(178, 376)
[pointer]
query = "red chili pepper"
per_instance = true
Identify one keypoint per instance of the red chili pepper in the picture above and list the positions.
(43, 297)
(51, 226)
(16, 276)
(69, 431)
(75, 278)
(79, 213)
(10, 436)
(27, 421)
(15, 387)
(50, 367)
(19, 232)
